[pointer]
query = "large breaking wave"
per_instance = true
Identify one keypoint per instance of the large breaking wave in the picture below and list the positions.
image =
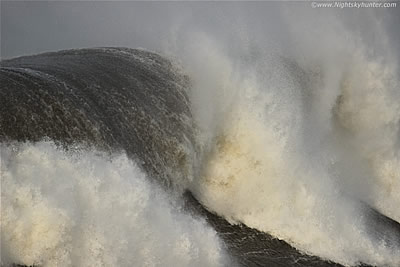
(300, 142)
(299, 148)
(304, 142)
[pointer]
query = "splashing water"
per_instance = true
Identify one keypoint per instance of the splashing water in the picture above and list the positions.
(58, 206)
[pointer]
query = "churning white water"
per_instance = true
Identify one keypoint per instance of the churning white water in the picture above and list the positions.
(295, 140)
(87, 209)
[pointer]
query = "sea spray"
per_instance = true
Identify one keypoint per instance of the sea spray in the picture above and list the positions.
(58, 206)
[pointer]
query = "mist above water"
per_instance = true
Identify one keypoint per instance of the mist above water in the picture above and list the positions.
(299, 129)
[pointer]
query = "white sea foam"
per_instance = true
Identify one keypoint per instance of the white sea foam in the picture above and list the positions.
(86, 209)
(293, 141)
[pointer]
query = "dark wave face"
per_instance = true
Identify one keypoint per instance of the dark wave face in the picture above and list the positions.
(134, 101)
(113, 98)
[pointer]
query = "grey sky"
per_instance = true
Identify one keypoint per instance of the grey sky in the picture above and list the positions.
(33, 27)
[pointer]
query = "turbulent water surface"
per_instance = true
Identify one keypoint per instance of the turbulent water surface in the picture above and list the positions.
(220, 149)
(68, 195)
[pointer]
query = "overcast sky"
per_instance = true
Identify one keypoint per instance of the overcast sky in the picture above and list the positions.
(33, 27)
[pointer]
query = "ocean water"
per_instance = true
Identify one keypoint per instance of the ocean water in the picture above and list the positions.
(286, 134)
